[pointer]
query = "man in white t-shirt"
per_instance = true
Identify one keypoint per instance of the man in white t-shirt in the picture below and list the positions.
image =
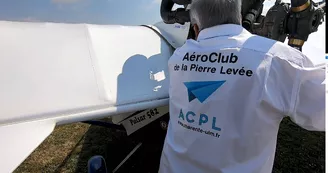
(229, 91)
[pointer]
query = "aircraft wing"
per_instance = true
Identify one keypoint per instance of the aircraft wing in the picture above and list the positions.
(52, 74)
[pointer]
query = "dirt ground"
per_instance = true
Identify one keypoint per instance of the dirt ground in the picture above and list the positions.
(69, 147)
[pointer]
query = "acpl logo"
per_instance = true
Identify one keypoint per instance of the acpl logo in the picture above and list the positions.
(202, 90)
(191, 117)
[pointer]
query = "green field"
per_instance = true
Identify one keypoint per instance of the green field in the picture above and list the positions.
(70, 146)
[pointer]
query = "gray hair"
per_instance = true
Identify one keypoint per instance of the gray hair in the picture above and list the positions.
(209, 13)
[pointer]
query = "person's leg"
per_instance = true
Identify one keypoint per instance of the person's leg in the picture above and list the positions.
(147, 157)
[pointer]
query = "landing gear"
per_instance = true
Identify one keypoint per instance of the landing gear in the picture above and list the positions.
(144, 156)
(97, 164)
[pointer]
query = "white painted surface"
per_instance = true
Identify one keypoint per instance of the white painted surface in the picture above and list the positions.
(132, 63)
(65, 73)
(45, 70)
(18, 142)
(49, 70)
(176, 34)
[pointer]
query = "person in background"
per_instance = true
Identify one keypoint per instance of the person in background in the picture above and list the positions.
(180, 15)
(229, 91)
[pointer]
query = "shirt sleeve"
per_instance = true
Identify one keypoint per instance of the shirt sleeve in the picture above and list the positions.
(307, 107)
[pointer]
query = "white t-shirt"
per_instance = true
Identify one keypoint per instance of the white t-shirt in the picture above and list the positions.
(229, 91)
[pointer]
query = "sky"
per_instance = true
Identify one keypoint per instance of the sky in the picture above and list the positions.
(125, 12)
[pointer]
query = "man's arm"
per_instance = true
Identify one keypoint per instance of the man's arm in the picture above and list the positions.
(307, 107)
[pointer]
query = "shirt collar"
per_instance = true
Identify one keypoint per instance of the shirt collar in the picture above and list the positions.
(220, 30)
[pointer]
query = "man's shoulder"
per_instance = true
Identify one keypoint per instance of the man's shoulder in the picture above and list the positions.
(275, 49)
(265, 45)
(189, 45)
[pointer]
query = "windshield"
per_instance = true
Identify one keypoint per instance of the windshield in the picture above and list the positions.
(123, 12)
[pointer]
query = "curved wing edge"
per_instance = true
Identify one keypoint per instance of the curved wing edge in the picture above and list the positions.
(18, 141)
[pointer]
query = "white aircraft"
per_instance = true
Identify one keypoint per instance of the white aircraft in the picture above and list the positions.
(53, 74)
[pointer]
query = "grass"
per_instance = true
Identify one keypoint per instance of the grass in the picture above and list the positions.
(69, 147)
(299, 150)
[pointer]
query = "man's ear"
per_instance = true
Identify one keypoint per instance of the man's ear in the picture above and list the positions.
(196, 29)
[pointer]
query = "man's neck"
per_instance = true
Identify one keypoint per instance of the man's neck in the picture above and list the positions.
(220, 30)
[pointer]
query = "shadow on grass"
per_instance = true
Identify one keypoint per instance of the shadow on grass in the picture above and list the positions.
(115, 145)
(298, 150)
